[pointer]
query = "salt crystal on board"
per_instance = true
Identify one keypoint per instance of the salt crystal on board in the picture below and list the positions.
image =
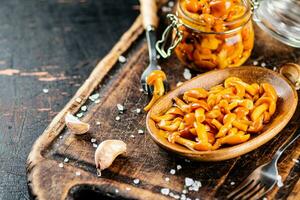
(122, 59)
(188, 181)
(136, 181)
(178, 167)
(83, 108)
(45, 90)
(165, 191)
(187, 74)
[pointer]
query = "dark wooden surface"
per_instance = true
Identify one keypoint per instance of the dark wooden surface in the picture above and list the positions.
(145, 160)
(63, 39)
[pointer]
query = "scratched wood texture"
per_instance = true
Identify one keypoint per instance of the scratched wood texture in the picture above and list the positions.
(119, 83)
(51, 44)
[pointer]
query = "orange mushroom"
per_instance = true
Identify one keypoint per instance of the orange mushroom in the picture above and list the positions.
(156, 79)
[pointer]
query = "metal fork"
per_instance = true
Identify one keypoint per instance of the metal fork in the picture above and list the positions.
(150, 22)
(263, 178)
(151, 39)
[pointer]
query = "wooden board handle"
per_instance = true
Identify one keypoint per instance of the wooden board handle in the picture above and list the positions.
(149, 13)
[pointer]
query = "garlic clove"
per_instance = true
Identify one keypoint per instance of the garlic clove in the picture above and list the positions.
(107, 152)
(292, 72)
(75, 125)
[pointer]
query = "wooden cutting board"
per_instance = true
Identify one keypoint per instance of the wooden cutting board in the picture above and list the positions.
(117, 82)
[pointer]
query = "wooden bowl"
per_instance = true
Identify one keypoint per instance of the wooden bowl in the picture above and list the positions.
(286, 106)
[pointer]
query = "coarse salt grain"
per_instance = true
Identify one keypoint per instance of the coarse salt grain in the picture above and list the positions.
(95, 145)
(122, 59)
(171, 3)
(175, 196)
(77, 173)
(128, 188)
(182, 197)
(66, 160)
(158, 57)
(187, 74)
(165, 191)
(195, 187)
(140, 131)
(141, 90)
(263, 64)
(45, 90)
(279, 181)
(255, 62)
(172, 171)
(120, 107)
(167, 179)
(116, 191)
(97, 101)
(118, 118)
(184, 191)
(79, 115)
(136, 181)
(132, 136)
(138, 110)
(94, 97)
(159, 67)
(265, 198)
(295, 160)
(178, 167)
(188, 182)
(83, 108)
(61, 165)
(98, 123)
(93, 140)
(232, 183)
(274, 68)
(60, 137)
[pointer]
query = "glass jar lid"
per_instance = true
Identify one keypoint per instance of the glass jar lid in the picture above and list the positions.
(279, 18)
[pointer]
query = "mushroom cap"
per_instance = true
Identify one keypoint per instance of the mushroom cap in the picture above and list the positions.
(154, 75)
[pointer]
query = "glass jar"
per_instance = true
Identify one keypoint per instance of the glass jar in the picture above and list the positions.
(279, 18)
(220, 36)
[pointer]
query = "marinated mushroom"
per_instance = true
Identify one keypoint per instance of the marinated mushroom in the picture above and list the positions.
(156, 79)
(226, 114)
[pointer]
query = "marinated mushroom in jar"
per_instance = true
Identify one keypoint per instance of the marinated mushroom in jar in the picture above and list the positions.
(216, 33)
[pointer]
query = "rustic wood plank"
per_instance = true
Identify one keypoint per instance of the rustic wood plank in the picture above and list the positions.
(145, 160)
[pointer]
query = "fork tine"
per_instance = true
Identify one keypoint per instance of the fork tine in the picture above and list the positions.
(144, 87)
(263, 192)
(252, 186)
(255, 191)
(241, 187)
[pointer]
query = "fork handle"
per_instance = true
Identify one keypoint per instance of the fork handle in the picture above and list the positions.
(149, 13)
(286, 144)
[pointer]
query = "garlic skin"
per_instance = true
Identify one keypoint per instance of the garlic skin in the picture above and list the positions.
(75, 125)
(107, 152)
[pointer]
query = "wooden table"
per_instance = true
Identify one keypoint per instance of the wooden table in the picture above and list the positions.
(47, 44)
